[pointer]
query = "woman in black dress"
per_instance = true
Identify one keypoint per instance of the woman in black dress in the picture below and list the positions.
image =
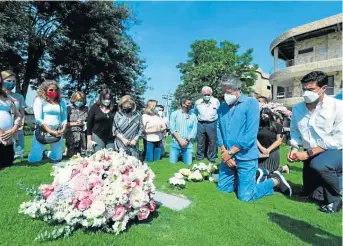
(269, 139)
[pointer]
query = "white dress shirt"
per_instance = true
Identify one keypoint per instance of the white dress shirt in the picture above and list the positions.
(207, 111)
(322, 127)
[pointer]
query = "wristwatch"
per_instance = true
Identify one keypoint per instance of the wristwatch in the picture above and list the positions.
(231, 153)
(309, 152)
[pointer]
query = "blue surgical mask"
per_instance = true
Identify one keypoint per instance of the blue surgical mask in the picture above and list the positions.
(9, 85)
(106, 102)
(78, 104)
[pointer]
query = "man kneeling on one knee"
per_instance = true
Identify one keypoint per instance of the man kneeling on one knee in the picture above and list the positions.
(237, 129)
(317, 126)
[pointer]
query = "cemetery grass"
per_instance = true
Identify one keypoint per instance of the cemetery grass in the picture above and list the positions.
(213, 218)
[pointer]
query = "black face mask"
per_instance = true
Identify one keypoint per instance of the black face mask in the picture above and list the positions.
(188, 107)
(127, 110)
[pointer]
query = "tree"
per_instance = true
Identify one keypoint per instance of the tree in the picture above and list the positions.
(82, 44)
(208, 62)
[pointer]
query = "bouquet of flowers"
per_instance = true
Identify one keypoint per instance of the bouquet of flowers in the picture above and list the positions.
(199, 172)
(177, 182)
(278, 108)
(104, 191)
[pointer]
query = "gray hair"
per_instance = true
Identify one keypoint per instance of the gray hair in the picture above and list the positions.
(206, 88)
(231, 81)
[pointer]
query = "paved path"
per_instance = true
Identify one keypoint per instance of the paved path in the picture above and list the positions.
(172, 202)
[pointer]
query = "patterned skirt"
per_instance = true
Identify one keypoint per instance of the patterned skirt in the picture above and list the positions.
(271, 163)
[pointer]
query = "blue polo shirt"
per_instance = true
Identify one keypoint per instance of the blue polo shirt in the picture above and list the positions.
(238, 127)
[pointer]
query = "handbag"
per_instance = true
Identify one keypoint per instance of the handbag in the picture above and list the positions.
(43, 136)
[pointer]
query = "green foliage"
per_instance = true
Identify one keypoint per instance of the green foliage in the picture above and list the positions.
(83, 44)
(56, 233)
(208, 62)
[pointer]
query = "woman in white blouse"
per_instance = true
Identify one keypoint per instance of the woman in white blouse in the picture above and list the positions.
(51, 116)
(154, 128)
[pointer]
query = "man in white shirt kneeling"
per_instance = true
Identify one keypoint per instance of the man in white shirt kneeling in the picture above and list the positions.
(317, 126)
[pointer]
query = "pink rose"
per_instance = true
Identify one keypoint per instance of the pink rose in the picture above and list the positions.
(152, 206)
(143, 213)
(83, 195)
(74, 173)
(119, 213)
(76, 203)
(138, 182)
(47, 191)
(80, 183)
(85, 164)
(84, 204)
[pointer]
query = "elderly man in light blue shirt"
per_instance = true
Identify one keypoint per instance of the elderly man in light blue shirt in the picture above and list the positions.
(238, 124)
(206, 110)
(183, 127)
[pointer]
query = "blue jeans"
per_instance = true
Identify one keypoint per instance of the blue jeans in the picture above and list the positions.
(243, 179)
(21, 141)
(37, 150)
(153, 151)
(187, 154)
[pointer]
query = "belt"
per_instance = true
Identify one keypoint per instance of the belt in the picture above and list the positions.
(206, 122)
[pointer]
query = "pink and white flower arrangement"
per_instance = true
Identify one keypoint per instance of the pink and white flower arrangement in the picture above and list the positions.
(103, 191)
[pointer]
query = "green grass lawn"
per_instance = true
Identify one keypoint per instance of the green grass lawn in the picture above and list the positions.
(212, 219)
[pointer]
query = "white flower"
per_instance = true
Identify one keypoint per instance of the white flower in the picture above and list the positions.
(177, 181)
(185, 171)
(178, 175)
(195, 176)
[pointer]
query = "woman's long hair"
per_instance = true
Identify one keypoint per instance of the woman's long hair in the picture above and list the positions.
(102, 96)
(267, 121)
(3, 94)
(150, 107)
(41, 92)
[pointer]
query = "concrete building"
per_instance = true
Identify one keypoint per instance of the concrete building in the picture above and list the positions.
(314, 46)
(262, 86)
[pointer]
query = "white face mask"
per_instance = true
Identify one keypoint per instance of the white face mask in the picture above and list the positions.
(310, 96)
(229, 99)
(160, 113)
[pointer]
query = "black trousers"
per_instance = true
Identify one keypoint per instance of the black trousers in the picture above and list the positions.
(322, 176)
(6, 155)
(207, 136)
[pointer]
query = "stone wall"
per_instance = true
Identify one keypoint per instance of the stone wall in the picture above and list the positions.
(324, 47)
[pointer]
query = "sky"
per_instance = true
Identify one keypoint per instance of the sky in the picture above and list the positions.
(167, 29)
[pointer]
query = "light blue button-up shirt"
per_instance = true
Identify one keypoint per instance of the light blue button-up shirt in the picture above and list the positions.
(238, 127)
(184, 125)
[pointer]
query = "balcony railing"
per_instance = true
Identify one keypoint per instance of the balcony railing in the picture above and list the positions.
(303, 59)
(288, 92)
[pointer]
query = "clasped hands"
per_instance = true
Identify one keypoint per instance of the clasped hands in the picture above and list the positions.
(127, 142)
(5, 135)
(296, 155)
(227, 159)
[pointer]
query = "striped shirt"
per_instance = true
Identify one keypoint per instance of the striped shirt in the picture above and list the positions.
(184, 125)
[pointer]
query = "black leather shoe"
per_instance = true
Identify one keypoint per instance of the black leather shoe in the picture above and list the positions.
(331, 209)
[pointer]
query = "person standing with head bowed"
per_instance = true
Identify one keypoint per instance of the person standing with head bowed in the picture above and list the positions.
(127, 127)
(153, 132)
(50, 113)
(99, 122)
(9, 124)
(19, 101)
(76, 136)
(206, 110)
(237, 138)
(183, 127)
(317, 126)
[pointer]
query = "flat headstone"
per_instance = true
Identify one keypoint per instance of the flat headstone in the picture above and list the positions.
(172, 202)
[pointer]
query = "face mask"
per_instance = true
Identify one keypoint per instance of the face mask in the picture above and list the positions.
(229, 99)
(9, 85)
(78, 104)
(189, 107)
(106, 102)
(207, 98)
(52, 94)
(160, 113)
(310, 96)
(156, 111)
(127, 110)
